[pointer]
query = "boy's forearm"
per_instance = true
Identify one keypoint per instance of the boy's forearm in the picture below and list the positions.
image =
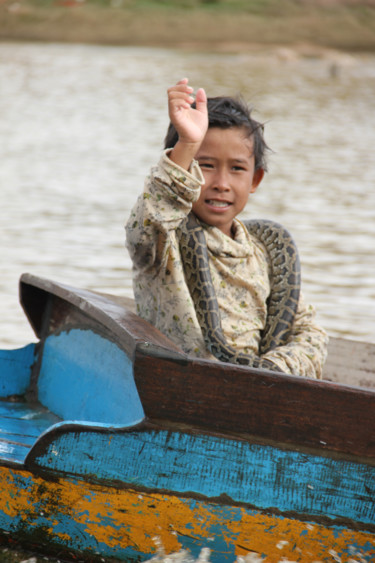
(184, 153)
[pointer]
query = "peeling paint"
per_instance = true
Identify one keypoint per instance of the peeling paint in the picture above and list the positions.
(123, 523)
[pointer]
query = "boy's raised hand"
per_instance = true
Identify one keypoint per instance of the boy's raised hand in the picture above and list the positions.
(191, 123)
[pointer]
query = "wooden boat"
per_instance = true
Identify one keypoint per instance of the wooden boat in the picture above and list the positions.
(111, 437)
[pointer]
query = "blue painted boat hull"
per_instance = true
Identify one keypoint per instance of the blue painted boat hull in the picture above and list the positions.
(111, 440)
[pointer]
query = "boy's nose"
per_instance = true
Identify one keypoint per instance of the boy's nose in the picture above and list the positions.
(221, 180)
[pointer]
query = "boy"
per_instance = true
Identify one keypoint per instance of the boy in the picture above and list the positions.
(214, 159)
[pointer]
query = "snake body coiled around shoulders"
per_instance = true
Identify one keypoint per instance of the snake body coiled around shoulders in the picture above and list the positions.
(282, 303)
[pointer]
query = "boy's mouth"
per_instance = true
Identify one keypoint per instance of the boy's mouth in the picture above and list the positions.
(217, 203)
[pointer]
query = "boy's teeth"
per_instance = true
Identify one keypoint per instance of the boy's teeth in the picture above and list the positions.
(217, 203)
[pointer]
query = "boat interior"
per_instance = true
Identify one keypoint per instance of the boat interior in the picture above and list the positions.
(80, 369)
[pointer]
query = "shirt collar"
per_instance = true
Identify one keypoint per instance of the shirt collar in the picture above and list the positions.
(220, 244)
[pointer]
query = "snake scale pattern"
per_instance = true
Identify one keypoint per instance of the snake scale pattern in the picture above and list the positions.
(282, 303)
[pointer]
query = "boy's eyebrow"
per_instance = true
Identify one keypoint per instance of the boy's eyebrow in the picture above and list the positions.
(241, 160)
(235, 160)
(207, 157)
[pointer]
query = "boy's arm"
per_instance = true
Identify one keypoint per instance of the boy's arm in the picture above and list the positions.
(306, 351)
(173, 185)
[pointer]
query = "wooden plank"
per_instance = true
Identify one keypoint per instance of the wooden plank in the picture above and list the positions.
(350, 362)
(19, 433)
(271, 406)
(13, 452)
(212, 466)
(21, 425)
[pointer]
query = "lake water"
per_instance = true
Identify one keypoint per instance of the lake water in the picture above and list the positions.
(81, 125)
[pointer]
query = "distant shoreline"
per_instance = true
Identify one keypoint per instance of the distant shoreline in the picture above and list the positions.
(312, 24)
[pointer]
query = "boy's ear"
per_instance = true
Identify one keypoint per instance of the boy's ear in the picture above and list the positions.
(257, 178)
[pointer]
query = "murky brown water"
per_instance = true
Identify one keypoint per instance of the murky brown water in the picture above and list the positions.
(81, 125)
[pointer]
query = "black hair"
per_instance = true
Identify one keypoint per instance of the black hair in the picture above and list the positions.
(225, 112)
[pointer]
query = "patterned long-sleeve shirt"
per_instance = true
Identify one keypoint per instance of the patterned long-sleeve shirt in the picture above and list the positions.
(240, 270)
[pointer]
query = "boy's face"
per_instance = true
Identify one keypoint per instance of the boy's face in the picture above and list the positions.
(227, 162)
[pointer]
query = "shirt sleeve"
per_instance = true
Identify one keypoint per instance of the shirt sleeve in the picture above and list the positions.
(168, 195)
(306, 350)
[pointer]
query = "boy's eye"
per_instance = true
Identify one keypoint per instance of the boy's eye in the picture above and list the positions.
(237, 168)
(205, 165)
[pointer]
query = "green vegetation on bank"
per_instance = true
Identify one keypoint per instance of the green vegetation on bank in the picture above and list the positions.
(214, 24)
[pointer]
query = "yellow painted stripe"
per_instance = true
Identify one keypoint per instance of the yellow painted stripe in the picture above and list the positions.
(125, 518)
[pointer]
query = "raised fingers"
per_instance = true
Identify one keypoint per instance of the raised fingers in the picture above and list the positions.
(180, 95)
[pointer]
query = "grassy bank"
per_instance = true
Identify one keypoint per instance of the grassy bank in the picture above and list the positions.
(212, 24)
